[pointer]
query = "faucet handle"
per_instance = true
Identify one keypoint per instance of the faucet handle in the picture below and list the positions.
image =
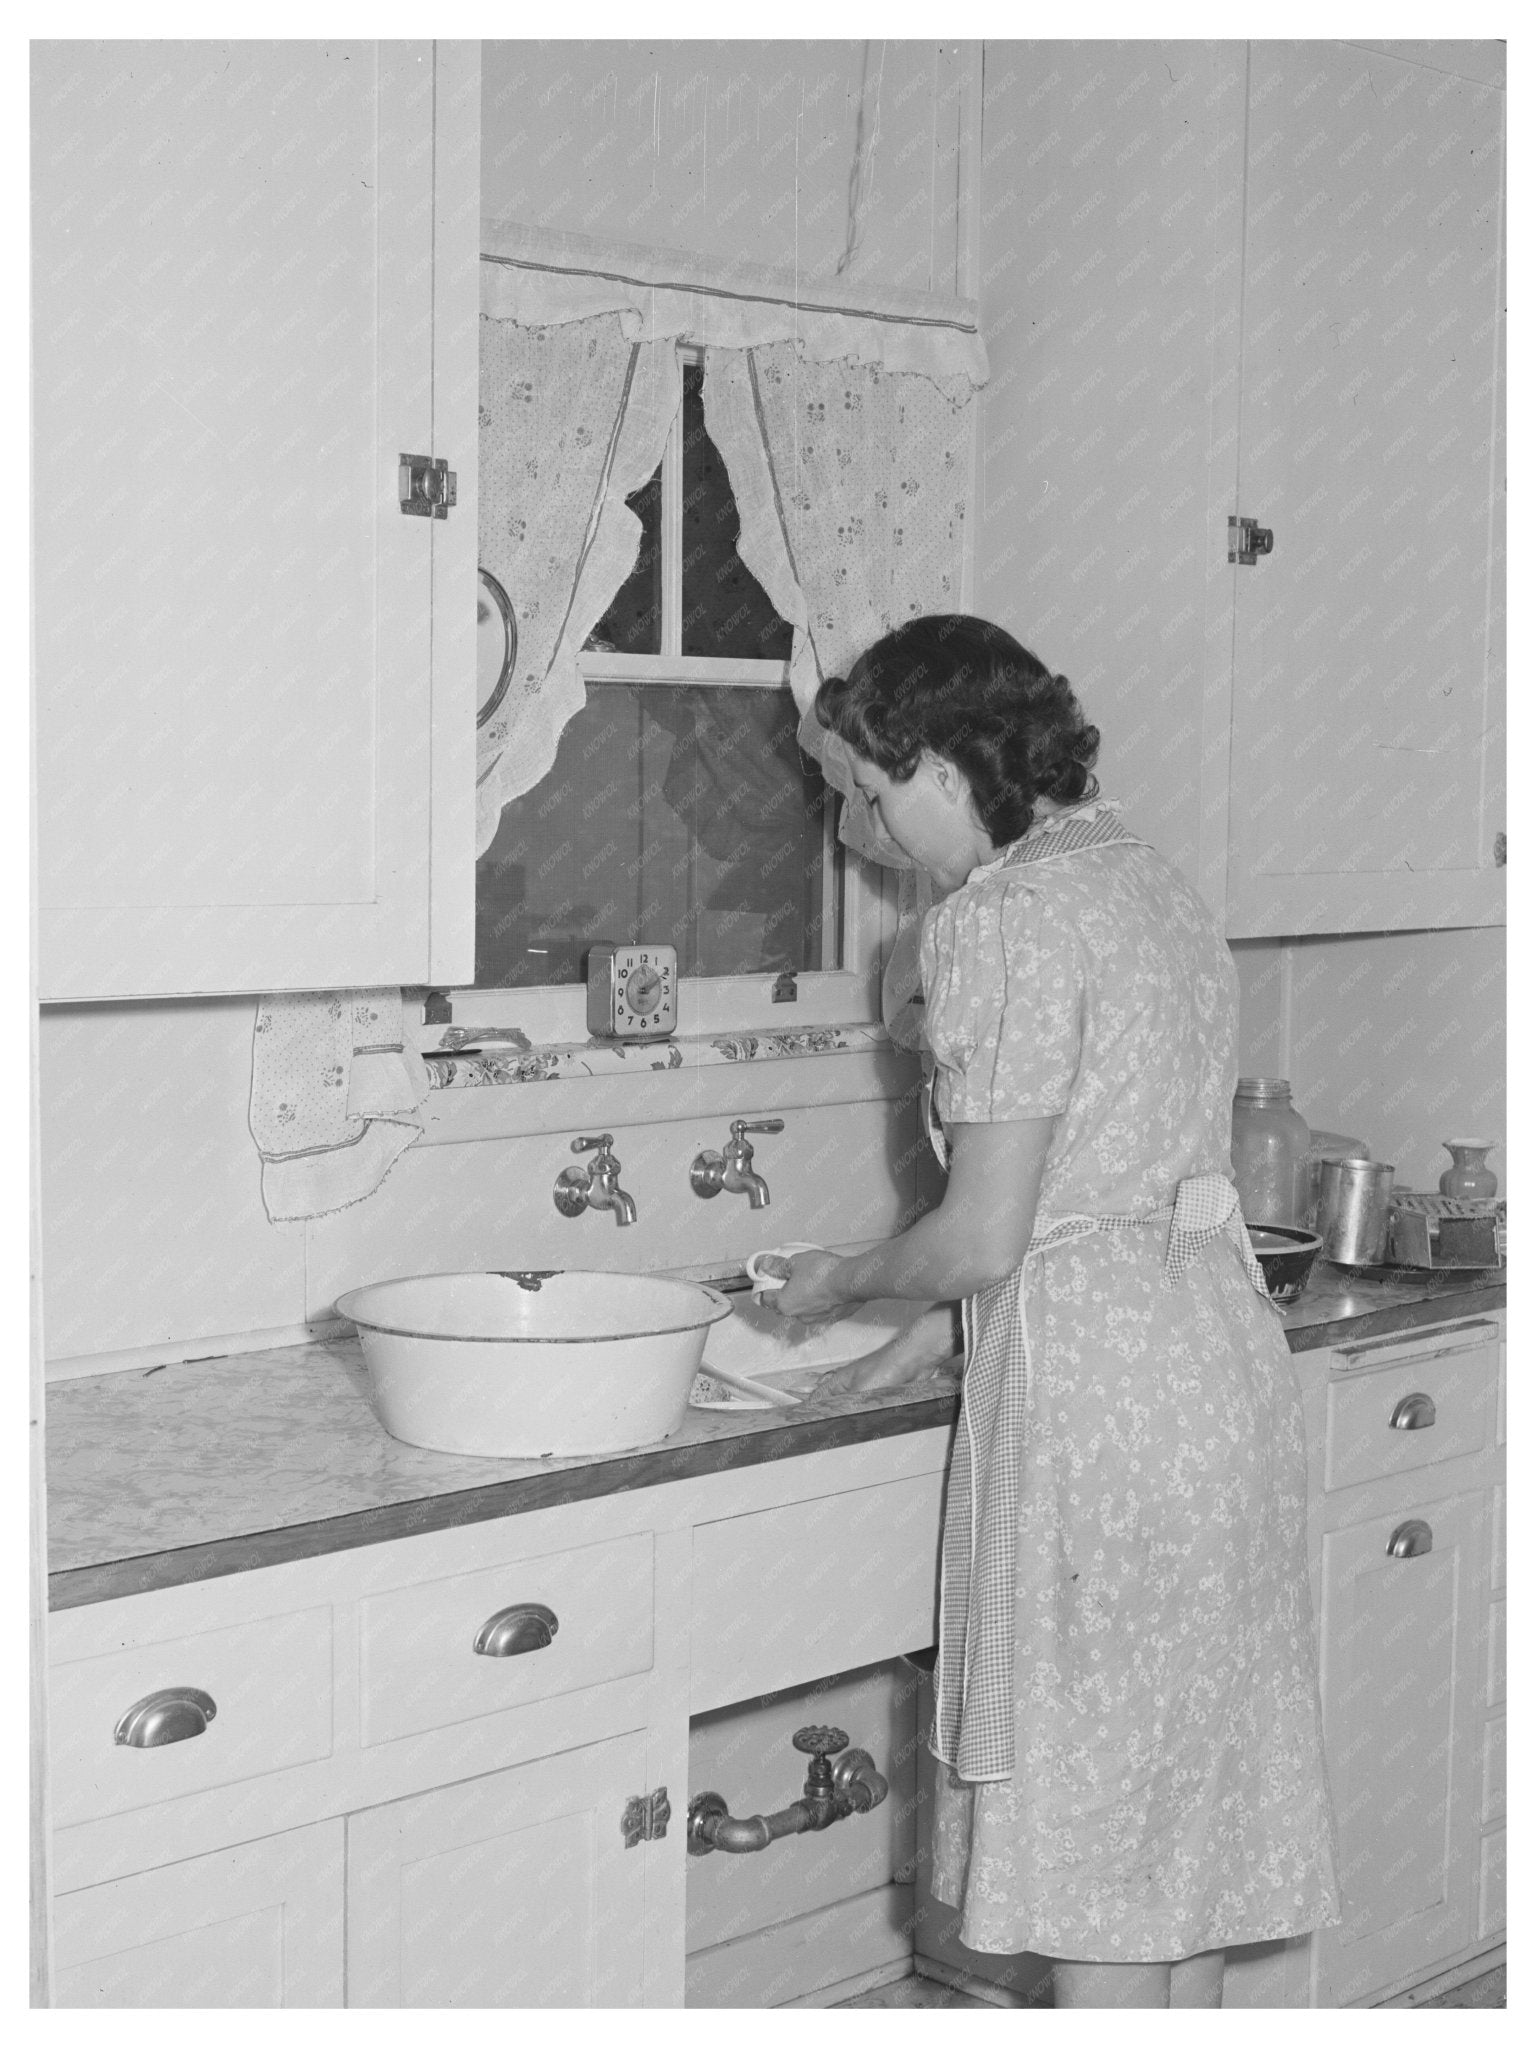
(602, 1143)
(768, 1123)
(819, 1740)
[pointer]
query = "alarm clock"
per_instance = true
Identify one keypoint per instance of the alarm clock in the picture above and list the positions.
(631, 990)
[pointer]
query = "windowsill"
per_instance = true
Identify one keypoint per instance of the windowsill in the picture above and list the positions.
(594, 1057)
(492, 1094)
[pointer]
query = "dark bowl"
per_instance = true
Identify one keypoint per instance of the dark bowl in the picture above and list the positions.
(1285, 1256)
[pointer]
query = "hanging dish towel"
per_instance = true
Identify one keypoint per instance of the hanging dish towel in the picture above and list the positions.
(336, 1097)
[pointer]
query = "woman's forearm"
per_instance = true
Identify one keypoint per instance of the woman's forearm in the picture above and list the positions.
(936, 1260)
(980, 1232)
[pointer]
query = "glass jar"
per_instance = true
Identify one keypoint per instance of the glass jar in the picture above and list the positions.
(1270, 1140)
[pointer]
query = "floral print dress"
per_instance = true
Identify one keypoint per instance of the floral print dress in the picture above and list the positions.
(1166, 1791)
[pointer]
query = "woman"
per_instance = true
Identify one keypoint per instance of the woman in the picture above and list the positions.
(1131, 1772)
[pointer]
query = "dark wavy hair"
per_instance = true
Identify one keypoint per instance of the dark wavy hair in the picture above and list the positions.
(964, 688)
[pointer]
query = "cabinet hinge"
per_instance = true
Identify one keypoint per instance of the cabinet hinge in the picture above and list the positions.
(645, 1817)
(427, 486)
(1247, 540)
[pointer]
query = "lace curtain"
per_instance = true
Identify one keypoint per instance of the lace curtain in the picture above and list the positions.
(551, 400)
(851, 481)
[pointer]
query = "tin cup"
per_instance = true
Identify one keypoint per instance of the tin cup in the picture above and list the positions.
(1353, 1209)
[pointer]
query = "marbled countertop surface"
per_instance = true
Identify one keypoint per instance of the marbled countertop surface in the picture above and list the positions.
(190, 1471)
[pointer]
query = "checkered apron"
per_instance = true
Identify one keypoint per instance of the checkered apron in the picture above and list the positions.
(973, 1680)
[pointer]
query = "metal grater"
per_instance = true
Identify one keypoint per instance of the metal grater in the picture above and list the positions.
(1446, 1230)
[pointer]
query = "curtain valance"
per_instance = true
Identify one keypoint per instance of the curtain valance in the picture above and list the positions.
(541, 278)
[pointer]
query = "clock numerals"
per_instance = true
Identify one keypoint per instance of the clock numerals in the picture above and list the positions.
(631, 991)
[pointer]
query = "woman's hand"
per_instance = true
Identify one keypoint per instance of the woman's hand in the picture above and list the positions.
(809, 1294)
(930, 1345)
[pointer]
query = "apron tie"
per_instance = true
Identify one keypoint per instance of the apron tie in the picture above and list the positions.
(973, 1723)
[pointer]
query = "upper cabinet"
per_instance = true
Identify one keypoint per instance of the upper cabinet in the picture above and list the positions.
(1260, 280)
(254, 290)
(1367, 757)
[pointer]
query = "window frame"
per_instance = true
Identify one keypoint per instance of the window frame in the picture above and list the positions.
(552, 1014)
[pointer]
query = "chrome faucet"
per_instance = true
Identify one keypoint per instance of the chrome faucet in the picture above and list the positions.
(596, 1186)
(732, 1169)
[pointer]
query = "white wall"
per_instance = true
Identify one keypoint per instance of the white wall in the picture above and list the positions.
(1394, 1037)
(738, 149)
(155, 1234)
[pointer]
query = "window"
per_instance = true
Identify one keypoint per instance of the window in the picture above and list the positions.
(680, 807)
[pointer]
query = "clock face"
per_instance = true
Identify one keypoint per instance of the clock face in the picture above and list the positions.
(642, 991)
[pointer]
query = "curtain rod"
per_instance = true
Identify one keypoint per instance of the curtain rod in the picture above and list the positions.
(715, 291)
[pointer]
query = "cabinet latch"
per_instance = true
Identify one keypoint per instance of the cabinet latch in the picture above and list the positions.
(1247, 540)
(645, 1817)
(427, 486)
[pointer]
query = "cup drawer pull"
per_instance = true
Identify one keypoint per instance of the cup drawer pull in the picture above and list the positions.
(512, 1631)
(1411, 1539)
(1414, 1411)
(174, 1715)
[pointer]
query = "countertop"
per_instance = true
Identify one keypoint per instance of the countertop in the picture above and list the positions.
(191, 1471)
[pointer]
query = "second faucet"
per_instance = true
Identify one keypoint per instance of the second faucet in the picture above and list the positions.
(732, 1169)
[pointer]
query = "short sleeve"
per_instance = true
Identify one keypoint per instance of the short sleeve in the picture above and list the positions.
(1003, 983)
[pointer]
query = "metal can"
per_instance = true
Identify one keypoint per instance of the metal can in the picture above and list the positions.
(1353, 1208)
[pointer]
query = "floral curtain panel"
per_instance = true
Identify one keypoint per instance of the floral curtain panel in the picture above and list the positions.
(851, 482)
(867, 474)
(551, 400)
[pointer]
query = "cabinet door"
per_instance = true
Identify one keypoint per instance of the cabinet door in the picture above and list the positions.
(1110, 180)
(242, 702)
(258, 1925)
(1367, 717)
(1402, 1719)
(514, 1890)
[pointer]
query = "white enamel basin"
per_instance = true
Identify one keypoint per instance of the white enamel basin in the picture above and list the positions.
(509, 1365)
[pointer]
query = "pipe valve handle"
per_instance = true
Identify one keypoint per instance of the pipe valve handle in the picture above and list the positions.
(819, 1741)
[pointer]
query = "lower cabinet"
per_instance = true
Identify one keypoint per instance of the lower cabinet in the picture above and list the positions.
(1405, 1450)
(450, 1770)
(441, 1821)
(257, 1925)
(1400, 1627)
(515, 1889)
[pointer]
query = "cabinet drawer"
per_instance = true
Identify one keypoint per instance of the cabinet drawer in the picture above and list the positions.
(1450, 1399)
(270, 1684)
(420, 1667)
(797, 1593)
